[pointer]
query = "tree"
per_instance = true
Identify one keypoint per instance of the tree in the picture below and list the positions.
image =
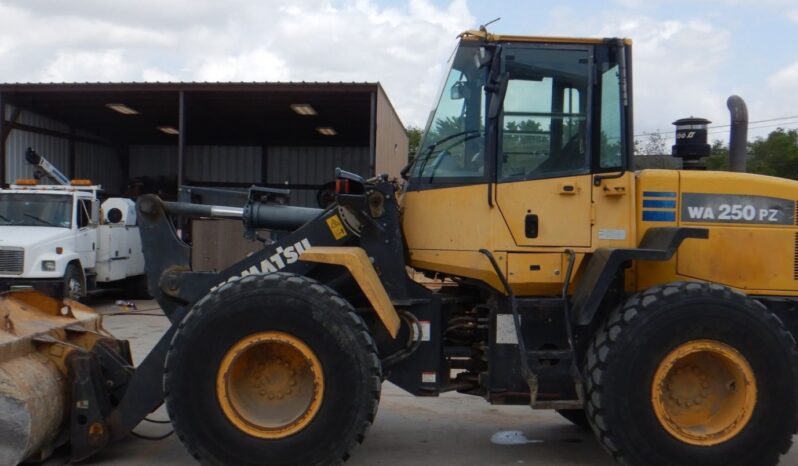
(414, 134)
(651, 144)
(776, 155)
(719, 156)
(651, 151)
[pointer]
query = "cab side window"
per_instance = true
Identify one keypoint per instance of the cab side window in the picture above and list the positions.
(544, 130)
(610, 150)
(84, 213)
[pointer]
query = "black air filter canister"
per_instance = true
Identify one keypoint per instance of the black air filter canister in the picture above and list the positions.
(691, 142)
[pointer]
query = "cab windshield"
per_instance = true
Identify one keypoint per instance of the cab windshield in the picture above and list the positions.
(453, 144)
(48, 210)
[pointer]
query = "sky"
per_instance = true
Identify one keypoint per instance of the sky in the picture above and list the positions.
(689, 56)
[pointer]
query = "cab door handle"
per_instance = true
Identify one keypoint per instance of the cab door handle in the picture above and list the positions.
(531, 226)
(567, 189)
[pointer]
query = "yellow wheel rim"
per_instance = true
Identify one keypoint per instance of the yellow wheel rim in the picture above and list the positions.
(270, 385)
(704, 392)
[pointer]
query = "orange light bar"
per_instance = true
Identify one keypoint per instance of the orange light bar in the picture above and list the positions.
(27, 182)
(80, 182)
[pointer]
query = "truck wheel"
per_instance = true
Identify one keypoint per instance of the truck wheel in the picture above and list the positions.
(693, 373)
(576, 416)
(272, 369)
(74, 287)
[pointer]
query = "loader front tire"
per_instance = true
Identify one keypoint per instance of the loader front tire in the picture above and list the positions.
(272, 369)
(693, 373)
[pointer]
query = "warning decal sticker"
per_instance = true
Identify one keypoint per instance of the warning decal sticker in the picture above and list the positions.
(336, 227)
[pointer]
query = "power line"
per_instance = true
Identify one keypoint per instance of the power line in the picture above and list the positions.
(793, 117)
(758, 127)
(788, 125)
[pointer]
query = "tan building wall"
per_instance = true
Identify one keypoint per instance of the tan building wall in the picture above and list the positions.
(391, 139)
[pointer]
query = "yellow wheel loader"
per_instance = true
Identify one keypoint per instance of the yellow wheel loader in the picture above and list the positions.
(522, 260)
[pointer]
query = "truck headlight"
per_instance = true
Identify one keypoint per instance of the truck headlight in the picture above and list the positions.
(48, 266)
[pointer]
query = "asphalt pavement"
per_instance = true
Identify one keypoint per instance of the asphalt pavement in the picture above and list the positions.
(452, 429)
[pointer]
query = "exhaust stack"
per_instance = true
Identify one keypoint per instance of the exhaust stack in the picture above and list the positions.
(738, 137)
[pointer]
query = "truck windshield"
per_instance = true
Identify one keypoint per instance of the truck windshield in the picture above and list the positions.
(453, 139)
(49, 210)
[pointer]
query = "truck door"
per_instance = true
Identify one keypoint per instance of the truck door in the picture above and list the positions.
(543, 169)
(86, 237)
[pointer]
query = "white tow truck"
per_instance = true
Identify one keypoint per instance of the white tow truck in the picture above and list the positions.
(59, 239)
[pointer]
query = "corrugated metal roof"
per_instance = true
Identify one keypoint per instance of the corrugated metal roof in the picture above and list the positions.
(226, 113)
(184, 85)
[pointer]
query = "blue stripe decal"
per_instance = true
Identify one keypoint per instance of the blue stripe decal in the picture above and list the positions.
(659, 216)
(658, 194)
(659, 204)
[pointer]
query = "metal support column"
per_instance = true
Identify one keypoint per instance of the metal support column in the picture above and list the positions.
(264, 164)
(3, 134)
(71, 153)
(373, 135)
(181, 139)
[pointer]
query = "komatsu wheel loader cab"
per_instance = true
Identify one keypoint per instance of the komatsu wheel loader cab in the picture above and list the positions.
(658, 307)
(526, 154)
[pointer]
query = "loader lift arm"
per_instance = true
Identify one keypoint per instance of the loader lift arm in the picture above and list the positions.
(367, 222)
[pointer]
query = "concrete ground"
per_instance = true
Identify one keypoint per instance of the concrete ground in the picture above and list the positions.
(453, 429)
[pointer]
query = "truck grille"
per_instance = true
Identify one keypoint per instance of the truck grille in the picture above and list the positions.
(795, 259)
(12, 260)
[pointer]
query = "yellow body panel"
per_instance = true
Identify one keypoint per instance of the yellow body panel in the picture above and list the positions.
(453, 219)
(650, 273)
(561, 204)
(445, 229)
(745, 249)
(359, 265)
(613, 215)
(471, 264)
(484, 35)
(743, 258)
(536, 273)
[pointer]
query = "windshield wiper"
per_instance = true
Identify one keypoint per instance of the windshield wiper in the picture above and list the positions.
(431, 148)
(468, 135)
(39, 219)
(439, 142)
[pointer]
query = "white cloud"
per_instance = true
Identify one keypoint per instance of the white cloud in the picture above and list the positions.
(675, 64)
(86, 66)
(402, 46)
(257, 65)
(785, 79)
(793, 15)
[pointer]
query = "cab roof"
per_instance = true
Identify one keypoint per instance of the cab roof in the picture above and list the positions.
(490, 37)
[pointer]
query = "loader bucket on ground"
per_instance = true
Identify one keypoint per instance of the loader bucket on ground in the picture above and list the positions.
(37, 334)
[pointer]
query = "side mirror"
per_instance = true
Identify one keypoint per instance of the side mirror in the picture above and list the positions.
(481, 58)
(497, 99)
(458, 91)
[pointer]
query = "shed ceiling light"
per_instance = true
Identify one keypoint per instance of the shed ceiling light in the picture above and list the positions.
(327, 131)
(122, 108)
(168, 130)
(303, 109)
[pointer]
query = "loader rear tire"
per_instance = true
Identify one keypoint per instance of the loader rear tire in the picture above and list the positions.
(693, 373)
(272, 369)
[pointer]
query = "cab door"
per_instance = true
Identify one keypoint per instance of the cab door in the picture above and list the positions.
(543, 160)
(86, 237)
